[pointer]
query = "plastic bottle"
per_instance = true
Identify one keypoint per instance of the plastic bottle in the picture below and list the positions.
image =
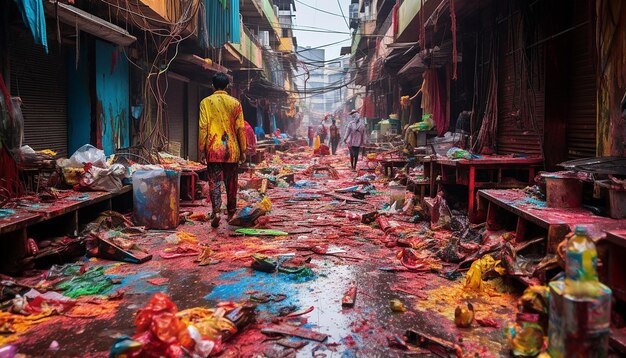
(353, 216)
(581, 262)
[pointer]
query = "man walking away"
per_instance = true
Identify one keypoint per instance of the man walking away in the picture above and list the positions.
(335, 137)
(311, 135)
(222, 141)
(355, 137)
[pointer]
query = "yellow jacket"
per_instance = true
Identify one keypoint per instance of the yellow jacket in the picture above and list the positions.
(221, 133)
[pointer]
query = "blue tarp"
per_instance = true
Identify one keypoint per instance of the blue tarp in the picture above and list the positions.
(35, 19)
(222, 22)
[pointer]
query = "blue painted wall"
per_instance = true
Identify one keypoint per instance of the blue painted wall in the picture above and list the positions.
(112, 92)
(78, 100)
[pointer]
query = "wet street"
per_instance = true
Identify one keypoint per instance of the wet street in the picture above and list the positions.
(339, 252)
(394, 178)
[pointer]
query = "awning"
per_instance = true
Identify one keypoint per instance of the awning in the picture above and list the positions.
(429, 58)
(346, 50)
(206, 64)
(89, 23)
(263, 88)
(197, 69)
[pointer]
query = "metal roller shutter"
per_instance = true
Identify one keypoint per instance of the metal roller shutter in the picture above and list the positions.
(175, 99)
(193, 103)
(517, 135)
(40, 79)
(581, 119)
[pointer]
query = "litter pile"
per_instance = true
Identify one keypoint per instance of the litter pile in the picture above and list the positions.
(318, 259)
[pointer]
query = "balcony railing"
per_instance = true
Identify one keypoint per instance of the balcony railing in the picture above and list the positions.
(268, 11)
(249, 48)
(406, 13)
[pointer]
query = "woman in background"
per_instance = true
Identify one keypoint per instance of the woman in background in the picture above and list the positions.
(355, 137)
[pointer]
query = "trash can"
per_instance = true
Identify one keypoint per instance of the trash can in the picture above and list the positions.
(156, 198)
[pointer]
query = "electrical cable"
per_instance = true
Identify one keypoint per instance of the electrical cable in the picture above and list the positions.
(342, 14)
(317, 9)
(322, 46)
(325, 31)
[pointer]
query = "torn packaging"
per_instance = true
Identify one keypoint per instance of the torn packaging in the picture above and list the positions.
(349, 297)
(439, 346)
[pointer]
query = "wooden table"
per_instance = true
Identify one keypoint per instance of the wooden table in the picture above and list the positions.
(613, 274)
(532, 217)
(389, 164)
(190, 175)
(615, 268)
(61, 217)
(418, 187)
(430, 172)
(485, 173)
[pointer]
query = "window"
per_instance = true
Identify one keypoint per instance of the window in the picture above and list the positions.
(285, 32)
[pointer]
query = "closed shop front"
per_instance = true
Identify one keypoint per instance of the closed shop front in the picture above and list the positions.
(581, 118)
(193, 107)
(40, 80)
(176, 108)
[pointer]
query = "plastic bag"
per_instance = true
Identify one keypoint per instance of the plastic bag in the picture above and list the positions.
(458, 153)
(441, 216)
(12, 126)
(249, 214)
(160, 330)
(474, 277)
(98, 179)
(88, 154)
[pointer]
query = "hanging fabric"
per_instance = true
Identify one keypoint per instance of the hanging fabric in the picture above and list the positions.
(35, 19)
(433, 99)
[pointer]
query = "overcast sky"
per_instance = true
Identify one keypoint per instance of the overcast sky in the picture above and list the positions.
(307, 17)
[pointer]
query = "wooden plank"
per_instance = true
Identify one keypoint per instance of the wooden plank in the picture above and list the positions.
(17, 221)
(617, 237)
(295, 332)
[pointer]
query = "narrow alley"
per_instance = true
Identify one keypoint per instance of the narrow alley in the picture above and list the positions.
(312, 178)
(326, 250)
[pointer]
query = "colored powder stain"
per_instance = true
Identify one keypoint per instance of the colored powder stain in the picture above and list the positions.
(494, 294)
(19, 324)
(494, 302)
(6, 212)
(536, 202)
(105, 309)
(138, 283)
(92, 282)
(350, 341)
(246, 281)
(305, 275)
(79, 198)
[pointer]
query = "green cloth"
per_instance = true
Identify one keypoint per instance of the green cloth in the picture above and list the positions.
(261, 232)
(92, 282)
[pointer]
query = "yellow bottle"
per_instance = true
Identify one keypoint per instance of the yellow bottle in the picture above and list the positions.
(581, 262)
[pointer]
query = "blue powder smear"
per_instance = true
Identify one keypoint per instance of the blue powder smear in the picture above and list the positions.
(246, 280)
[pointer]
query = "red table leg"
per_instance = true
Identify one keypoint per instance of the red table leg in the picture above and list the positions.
(531, 175)
(193, 187)
(470, 201)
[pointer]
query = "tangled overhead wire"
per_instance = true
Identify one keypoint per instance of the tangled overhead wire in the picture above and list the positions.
(153, 126)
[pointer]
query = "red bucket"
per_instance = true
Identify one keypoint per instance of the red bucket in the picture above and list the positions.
(563, 192)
